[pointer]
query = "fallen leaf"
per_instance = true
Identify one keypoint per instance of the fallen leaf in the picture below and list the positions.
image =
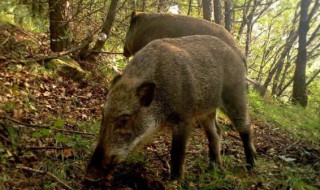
(47, 93)
(287, 159)
(68, 153)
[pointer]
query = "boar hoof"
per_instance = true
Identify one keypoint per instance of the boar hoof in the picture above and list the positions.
(250, 166)
(93, 175)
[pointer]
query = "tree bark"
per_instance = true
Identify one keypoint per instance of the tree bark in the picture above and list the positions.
(299, 92)
(161, 6)
(228, 14)
(143, 9)
(245, 10)
(106, 27)
(207, 9)
(59, 26)
(189, 7)
(249, 27)
(217, 11)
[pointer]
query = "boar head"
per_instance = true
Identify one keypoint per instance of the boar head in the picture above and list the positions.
(127, 122)
(130, 36)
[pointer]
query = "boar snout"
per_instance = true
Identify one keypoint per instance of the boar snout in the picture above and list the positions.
(100, 165)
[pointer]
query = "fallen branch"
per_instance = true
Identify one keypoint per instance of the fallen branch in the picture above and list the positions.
(5, 138)
(60, 54)
(233, 136)
(43, 148)
(107, 52)
(45, 126)
(46, 173)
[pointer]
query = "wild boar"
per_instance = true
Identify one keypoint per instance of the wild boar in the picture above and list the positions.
(146, 27)
(173, 82)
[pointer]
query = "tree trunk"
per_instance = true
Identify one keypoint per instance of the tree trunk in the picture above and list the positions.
(133, 4)
(161, 6)
(143, 9)
(313, 77)
(189, 7)
(276, 88)
(104, 34)
(249, 28)
(228, 14)
(299, 93)
(59, 26)
(289, 43)
(207, 9)
(217, 11)
(245, 10)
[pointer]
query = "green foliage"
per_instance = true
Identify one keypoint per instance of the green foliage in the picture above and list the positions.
(21, 14)
(299, 122)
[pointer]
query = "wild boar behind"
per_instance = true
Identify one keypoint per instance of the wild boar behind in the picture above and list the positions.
(146, 27)
(173, 82)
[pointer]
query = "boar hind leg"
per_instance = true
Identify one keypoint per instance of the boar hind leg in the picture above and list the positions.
(213, 134)
(180, 135)
(236, 109)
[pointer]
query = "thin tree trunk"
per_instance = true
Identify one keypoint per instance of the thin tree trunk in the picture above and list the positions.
(217, 11)
(189, 7)
(161, 6)
(143, 9)
(244, 18)
(265, 53)
(299, 92)
(228, 14)
(105, 28)
(249, 28)
(289, 42)
(133, 4)
(207, 9)
(313, 35)
(285, 87)
(276, 88)
(59, 26)
(313, 77)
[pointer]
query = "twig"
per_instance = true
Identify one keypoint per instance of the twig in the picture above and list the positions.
(45, 127)
(234, 136)
(46, 173)
(5, 138)
(58, 54)
(86, 42)
(107, 52)
(292, 145)
(43, 147)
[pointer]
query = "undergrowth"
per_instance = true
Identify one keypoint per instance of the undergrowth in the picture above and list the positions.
(301, 123)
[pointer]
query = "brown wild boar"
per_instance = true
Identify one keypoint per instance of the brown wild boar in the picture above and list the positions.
(173, 82)
(146, 27)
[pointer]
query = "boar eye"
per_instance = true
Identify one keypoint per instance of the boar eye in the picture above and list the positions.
(122, 120)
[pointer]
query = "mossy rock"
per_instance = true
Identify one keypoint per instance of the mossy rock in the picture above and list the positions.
(66, 67)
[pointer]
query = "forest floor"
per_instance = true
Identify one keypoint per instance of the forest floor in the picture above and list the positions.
(49, 126)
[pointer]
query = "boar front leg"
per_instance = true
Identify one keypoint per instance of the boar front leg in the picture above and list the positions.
(180, 135)
(213, 134)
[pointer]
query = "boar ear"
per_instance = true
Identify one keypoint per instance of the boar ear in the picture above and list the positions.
(145, 93)
(133, 15)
